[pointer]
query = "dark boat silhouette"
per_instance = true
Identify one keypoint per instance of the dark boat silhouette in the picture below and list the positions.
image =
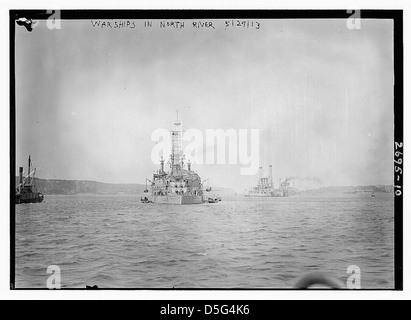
(26, 191)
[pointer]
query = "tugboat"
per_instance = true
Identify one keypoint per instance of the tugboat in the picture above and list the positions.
(180, 185)
(26, 191)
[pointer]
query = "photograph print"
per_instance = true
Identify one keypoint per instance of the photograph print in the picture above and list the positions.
(184, 149)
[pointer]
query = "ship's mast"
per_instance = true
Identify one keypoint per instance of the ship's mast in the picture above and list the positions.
(177, 147)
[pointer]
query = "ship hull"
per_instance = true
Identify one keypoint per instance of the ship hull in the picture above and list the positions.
(257, 195)
(178, 200)
(29, 198)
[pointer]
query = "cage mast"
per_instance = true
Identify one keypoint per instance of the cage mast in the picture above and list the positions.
(177, 147)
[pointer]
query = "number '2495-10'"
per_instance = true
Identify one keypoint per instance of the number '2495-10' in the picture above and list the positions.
(398, 167)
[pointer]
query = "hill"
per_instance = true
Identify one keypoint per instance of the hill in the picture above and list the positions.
(69, 187)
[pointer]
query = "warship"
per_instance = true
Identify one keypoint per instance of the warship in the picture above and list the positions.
(26, 191)
(265, 186)
(180, 185)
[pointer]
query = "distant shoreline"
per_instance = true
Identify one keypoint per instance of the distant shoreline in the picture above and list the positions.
(73, 187)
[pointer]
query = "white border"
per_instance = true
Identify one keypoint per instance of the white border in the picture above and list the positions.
(7, 294)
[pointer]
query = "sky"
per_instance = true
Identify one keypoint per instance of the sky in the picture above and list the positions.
(321, 95)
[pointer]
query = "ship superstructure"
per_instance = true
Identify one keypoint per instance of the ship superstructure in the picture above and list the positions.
(265, 186)
(180, 185)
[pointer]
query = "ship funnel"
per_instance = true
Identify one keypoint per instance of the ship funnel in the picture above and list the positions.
(260, 175)
(28, 172)
(270, 177)
(162, 164)
(21, 175)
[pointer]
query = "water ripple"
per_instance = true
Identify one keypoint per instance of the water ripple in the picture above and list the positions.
(117, 242)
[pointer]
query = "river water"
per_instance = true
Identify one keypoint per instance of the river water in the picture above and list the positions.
(117, 242)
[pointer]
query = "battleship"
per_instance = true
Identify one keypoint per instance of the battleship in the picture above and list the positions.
(26, 190)
(180, 185)
(265, 186)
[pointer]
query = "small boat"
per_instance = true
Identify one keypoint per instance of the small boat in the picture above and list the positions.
(211, 200)
(145, 200)
(214, 200)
